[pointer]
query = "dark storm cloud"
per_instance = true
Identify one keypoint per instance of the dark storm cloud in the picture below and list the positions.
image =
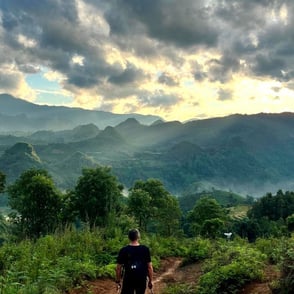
(268, 65)
(58, 36)
(128, 75)
(148, 29)
(182, 23)
(261, 34)
(222, 69)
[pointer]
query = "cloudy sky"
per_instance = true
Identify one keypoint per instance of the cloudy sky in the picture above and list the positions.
(180, 59)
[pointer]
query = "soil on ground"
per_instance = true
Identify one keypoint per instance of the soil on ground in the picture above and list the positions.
(171, 272)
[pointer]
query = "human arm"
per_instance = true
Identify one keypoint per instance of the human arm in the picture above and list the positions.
(150, 275)
(118, 273)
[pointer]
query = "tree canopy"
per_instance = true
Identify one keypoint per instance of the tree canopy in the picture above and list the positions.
(154, 207)
(96, 195)
(274, 207)
(37, 202)
(207, 217)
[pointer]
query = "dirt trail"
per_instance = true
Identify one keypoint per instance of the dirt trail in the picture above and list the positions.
(171, 272)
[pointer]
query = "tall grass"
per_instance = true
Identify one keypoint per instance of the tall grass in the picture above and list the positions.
(56, 263)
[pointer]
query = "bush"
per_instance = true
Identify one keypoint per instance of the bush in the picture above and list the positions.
(287, 266)
(198, 249)
(55, 262)
(273, 248)
(229, 268)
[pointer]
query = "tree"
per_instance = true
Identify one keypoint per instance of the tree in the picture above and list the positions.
(2, 182)
(162, 214)
(96, 196)
(37, 202)
(273, 207)
(139, 206)
(207, 213)
(290, 222)
(212, 227)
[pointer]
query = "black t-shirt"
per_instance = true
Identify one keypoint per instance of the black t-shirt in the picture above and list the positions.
(135, 260)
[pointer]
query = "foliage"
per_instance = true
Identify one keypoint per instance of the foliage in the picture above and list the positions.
(139, 206)
(59, 261)
(2, 182)
(102, 217)
(96, 196)
(207, 217)
(230, 267)
(262, 227)
(274, 207)
(287, 265)
(158, 207)
(290, 222)
(180, 289)
(273, 248)
(198, 249)
(36, 201)
(224, 198)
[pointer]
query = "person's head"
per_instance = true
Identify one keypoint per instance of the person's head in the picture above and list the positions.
(134, 235)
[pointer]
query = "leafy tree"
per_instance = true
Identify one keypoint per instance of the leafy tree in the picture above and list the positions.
(247, 228)
(168, 216)
(163, 212)
(274, 207)
(37, 202)
(211, 227)
(206, 215)
(2, 182)
(139, 206)
(96, 196)
(290, 222)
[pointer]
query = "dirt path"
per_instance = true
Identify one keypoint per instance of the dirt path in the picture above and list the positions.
(171, 272)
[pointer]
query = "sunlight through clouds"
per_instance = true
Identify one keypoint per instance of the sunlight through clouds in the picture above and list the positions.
(179, 60)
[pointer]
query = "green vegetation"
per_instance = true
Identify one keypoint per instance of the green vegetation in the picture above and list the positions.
(230, 267)
(54, 241)
(2, 182)
(152, 205)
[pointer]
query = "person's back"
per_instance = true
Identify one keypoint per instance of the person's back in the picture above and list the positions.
(135, 261)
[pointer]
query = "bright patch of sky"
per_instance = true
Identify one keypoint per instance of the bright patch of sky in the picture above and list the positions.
(48, 88)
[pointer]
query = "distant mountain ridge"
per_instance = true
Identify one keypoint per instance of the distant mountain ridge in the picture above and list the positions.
(20, 115)
(247, 154)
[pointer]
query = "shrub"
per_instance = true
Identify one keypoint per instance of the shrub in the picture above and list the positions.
(287, 266)
(229, 268)
(198, 249)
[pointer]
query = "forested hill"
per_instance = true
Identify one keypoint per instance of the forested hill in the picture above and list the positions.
(248, 154)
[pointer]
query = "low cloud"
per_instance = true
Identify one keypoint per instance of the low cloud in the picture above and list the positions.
(158, 100)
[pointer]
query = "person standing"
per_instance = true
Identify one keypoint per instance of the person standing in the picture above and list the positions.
(134, 266)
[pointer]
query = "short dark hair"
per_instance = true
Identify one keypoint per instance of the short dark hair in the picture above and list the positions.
(134, 234)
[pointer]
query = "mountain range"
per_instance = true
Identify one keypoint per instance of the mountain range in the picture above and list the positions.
(247, 154)
(20, 115)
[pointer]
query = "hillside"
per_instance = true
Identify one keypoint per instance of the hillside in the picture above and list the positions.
(20, 115)
(246, 154)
